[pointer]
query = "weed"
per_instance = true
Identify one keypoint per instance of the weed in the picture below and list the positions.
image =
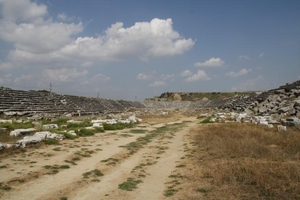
(138, 131)
(95, 172)
(64, 167)
(85, 132)
(51, 141)
(170, 192)
(130, 184)
(56, 149)
(202, 190)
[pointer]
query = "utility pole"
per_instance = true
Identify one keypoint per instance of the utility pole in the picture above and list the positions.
(135, 98)
(98, 95)
(50, 89)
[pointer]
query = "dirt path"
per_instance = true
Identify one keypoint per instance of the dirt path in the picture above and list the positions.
(154, 156)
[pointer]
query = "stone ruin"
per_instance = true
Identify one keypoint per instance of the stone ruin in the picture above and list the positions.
(279, 107)
(19, 102)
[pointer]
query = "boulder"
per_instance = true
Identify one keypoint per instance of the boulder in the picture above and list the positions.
(281, 128)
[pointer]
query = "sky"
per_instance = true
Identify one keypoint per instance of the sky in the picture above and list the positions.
(135, 49)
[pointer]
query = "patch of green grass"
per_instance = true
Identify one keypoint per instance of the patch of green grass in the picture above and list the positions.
(95, 172)
(3, 166)
(202, 190)
(64, 167)
(63, 198)
(4, 187)
(85, 133)
(180, 166)
(84, 124)
(56, 149)
(117, 126)
(15, 125)
(170, 192)
(51, 141)
(207, 121)
(130, 184)
(138, 131)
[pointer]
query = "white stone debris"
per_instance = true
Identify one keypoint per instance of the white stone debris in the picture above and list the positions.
(74, 122)
(6, 121)
(38, 137)
(281, 128)
(50, 126)
(18, 132)
(98, 125)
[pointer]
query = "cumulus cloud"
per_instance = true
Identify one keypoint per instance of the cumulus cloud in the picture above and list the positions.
(244, 57)
(186, 73)
(35, 36)
(22, 10)
(157, 84)
(144, 40)
(200, 75)
(239, 73)
(212, 62)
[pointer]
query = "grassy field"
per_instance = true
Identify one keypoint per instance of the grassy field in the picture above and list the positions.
(243, 161)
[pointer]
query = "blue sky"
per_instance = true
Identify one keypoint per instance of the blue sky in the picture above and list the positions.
(122, 49)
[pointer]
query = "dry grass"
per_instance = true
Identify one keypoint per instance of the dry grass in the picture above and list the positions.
(243, 161)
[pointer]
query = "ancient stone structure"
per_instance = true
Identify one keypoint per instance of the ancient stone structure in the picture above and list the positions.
(19, 102)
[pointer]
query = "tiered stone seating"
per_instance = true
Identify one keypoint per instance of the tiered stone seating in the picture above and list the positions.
(43, 101)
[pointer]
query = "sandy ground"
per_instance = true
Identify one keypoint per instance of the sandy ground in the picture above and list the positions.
(28, 178)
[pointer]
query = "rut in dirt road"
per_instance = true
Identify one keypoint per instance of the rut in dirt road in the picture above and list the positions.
(128, 166)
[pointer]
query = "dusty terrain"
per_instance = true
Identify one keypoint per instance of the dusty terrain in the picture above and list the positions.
(129, 164)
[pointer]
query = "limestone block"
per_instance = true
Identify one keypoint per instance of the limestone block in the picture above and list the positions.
(281, 128)
(50, 126)
(6, 121)
(18, 132)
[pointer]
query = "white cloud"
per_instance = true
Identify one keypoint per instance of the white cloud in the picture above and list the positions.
(157, 84)
(6, 66)
(244, 57)
(186, 73)
(87, 64)
(38, 39)
(64, 17)
(144, 76)
(200, 75)
(257, 83)
(212, 62)
(261, 55)
(22, 10)
(239, 73)
(166, 76)
(63, 75)
(144, 40)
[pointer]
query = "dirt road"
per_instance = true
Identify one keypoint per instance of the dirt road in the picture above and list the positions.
(127, 164)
